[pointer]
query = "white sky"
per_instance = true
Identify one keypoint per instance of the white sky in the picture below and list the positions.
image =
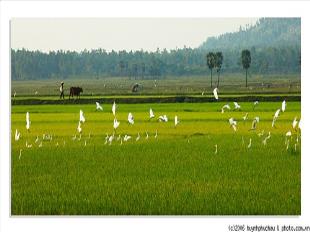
(118, 33)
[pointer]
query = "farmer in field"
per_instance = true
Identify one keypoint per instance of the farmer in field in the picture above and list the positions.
(61, 89)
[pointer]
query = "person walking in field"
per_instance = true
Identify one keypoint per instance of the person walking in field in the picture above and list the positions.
(61, 89)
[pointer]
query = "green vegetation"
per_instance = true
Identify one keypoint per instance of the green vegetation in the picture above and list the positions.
(274, 45)
(178, 173)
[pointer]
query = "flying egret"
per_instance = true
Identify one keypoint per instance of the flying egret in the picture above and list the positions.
(254, 123)
(176, 121)
(163, 118)
(225, 107)
(295, 122)
(151, 114)
(275, 117)
(283, 106)
(98, 106)
(28, 122)
(130, 119)
(79, 128)
(82, 118)
(245, 117)
(17, 135)
(233, 123)
(114, 108)
(115, 123)
(237, 106)
(215, 93)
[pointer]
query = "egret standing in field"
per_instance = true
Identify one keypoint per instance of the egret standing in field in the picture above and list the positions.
(28, 122)
(138, 137)
(254, 123)
(237, 106)
(215, 93)
(275, 117)
(245, 117)
(294, 124)
(176, 121)
(114, 108)
(98, 106)
(115, 124)
(215, 149)
(225, 107)
(17, 135)
(255, 104)
(79, 128)
(151, 114)
(233, 124)
(283, 105)
(82, 118)
(130, 119)
(163, 118)
(265, 140)
(250, 143)
(14, 95)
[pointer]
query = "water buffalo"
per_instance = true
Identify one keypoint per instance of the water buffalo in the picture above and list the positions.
(75, 91)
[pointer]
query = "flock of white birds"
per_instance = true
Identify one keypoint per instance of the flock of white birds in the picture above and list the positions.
(296, 125)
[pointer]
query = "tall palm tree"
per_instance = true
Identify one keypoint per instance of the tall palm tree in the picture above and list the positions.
(246, 62)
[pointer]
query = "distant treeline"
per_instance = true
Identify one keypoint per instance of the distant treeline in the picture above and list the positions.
(32, 65)
(274, 45)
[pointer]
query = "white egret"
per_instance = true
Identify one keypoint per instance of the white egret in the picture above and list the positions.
(295, 122)
(40, 145)
(138, 137)
(288, 134)
(255, 104)
(98, 106)
(130, 119)
(250, 143)
(146, 135)
(245, 117)
(111, 139)
(17, 135)
(215, 149)
(215, 93)
(155, 136)
(176, 121)
(151, 114)
(74, 137)
(275, 117)
(20, 153)
(28, 145)
(254, 123)
(79, 128)
(163, 118)
(114, 108)
(82, 118)
(225, 107)
(233, 123)
(115, 124)
(266, 138)
(36, 93)
(37, 139)
(14, 95)
(126, 138)
(283, 106)
(261, 133)
(237, 106)
(28, 122)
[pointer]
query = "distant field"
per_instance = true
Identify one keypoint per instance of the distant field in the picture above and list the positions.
(168, 86)
(177, 173)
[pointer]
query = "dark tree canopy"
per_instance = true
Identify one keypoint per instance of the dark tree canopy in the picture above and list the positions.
(246, 59)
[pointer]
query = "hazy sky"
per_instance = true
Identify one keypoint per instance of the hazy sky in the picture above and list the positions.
(118, 33)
